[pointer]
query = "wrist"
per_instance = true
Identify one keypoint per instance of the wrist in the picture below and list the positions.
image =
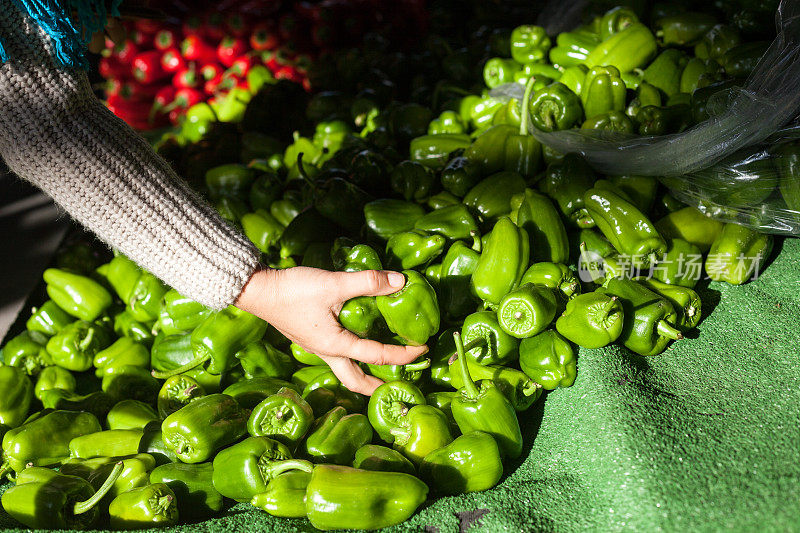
(255, 296)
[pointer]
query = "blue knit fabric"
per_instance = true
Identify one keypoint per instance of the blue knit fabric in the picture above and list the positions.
(69, 36)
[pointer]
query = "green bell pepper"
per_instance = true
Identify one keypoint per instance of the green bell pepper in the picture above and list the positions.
(549, 359)
(340, 497)
(411, 249)
(248, 393)
(603, 91)
(691, 225)
(453, 222)
(555, 276)
(628, 49)
(80, 296)
(571, 50)
(75, 346)
(491, 197)
(285, 495)
(424, 430)
(348, 256)
(488, 343)
(471, 463)
(131, 414)
(665, 71)
(198, 430)
(502, 263)
(232, 179)
(460, 175)
(682, 264)
(54, 377)
(284, 210)
(615, 20)
(615, 121)
(433, 150)
(498, 71)
(566, 182)
(177, 392)
(386, 217)
(717, 41)
(109, 443)
(386, 406)
(336, 436)
(48, 319)
(284, 416)
(447, 122)
(125, 351)
(130, 382)
(684, 29)
(527, 310)
(305, 357)
(413, 311)
(193, 487)
(529, 44)
(555, 107)
(737, 254)
(261, 359)
(262, 229)
(382, 459)
(412, 180)
(411, 372)
(126, 326)
(685, 301)
(145, 507)
(98, 402)
(361, 316)
(28, 352)
(592, 320)
(17, 396)
(547, 236)
(457, 268)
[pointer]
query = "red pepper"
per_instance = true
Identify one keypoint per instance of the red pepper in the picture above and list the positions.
(133, 91)
(113, 86)
(209, 71)
(136, 114)
(165, 96)
(175, 116)
(193, 48)
(235, 25)
(264, 37)
(124, 51)
(147, 67)
(212, 28)
(139, 37)
(172, 61)
(275, 60)
(147, 25)
(288, 72)
(186, 78)
(185, 98)
(215, 84)
(229, 49)
(240, 66)
(165, 40)
(111, 67)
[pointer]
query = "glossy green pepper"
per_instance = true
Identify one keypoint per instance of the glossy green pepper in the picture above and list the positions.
(685, 301)
(442, 199)
(460, 175)
(433, 150)
(457, 268)
(301, 355)
(737, 254)
(615, 20)
(615, 121)
(574, 78)
(627, 228)
(231, 209)
(414, 248)
(485, 409)
(382, 459)
(170, 352)
(17, 396)
(27, 351)
(262, 229)
(144, 300)
(566, 182)
(498, 71)
(555, 107)
(244, 469)
(447, 122)
(284, 210)
(135, 473)
(603, 91)
(529, 44)
(361, 316)
(207, 424)
(424, 430)
(716, 41)
(46, 499)
(348, 256)
(285, 495)
(502, 263)
(326, 392)
(628, 49)
(592, 320)
(453, 222)
(488, 150)
(340, 497)
(411, 372)
(130, 382)
(549, 359)
(482, 110)
(412, 180)
(44, 441)
(487, 341)
(131, 414)
(555, 276)
(336, 436)
(125, 351)
(386, 217)
(284, 416)
(98, 402)
(193, 487)
(547, 236)
(648, 319)
(699, 73)
(126, 326)
(109, 443)
(665, 71)
(527, 310)
(80, 296)
(682, 264)
(250, 392)
(261, 359)
(471, 463)
(144, 507)
(177, 392)
(75, 346)
(94, 467)
(387, 404)
(54, 377)
(491, 197)
(684, 29)
(48, 319)
(572, 49)
(413, 311)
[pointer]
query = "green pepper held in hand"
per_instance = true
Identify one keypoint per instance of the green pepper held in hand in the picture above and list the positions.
(453, 222)
(193, 487)
(529, 44)
(207, 424)
(348, 256)
(361, 316)
(336, 436)
(485, 409)
(549, 359)
(413, 311)
(628, 49)
(414, 248)
(737, 254)
(80, 296)
(28, 352)
(244, 469)
(527, 310)
(648, 319)
(502, 263)
(471, 463)
(145, 507)
(46, 499)
(627, 228)
(48, 319)
(685, 301)
(17, 396)
(411, 372)
(555, 107)
(75, 346)
(177, 392)
(341, 497)
(387, 405)
(285, 495)
(382, 459)
(284, 416)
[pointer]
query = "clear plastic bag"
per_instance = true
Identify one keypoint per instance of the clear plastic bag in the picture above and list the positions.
(737, 165)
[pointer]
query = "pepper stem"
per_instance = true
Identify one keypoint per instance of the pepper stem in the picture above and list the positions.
(302, 170)
(471, 345)
(87, 340)
(5, 469)
(469, 389)
(279, 467)
(531, 388)
(421, 365)
(82, 507)
(181, 369)
(666, 330)
(591, 267)
(476, 241)
(526, 99)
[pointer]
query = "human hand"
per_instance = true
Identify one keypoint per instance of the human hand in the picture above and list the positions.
(304, 303)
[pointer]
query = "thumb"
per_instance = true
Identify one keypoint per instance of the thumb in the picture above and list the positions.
(370, 283)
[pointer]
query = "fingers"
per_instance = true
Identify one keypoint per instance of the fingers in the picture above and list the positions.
(369, 283)
(352, 376)
(376, 353)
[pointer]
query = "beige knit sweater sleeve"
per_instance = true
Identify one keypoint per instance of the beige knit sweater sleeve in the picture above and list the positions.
(56, 134)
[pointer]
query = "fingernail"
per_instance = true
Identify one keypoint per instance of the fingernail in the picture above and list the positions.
(396, 279)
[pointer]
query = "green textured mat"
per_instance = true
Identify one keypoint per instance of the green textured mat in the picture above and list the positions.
(704, 437)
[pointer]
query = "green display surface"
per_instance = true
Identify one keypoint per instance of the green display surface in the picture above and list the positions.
(704, 437)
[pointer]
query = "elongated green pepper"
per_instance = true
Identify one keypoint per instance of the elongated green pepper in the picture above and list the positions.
(572, 49)
(566, 182)
(131, 414)
(382, 459)
(336, 436)
(685, 301)
(737, 254)
(17, 396)
(537, 215)
(492, 196)
(471, 463)
(433, 150)
(385, 217)
(98, 402)
(80, 296)
(285, 495)
(485, 409)
(453, 222)
(250, 392)
(626, 50)
(502, 263)
(456, 272)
